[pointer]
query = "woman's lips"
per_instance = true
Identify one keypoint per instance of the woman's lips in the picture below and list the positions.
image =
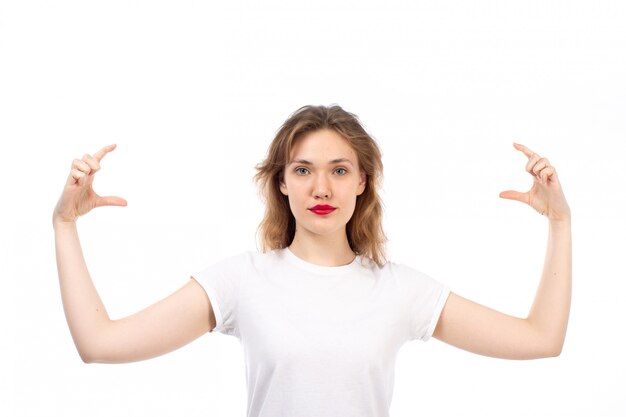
(323, 210)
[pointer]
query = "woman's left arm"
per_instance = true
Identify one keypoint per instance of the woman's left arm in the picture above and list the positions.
(479, 329)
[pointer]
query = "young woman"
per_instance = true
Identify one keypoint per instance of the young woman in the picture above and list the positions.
(320, 313)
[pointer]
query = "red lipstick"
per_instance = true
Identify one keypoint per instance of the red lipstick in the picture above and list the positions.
(322, 209)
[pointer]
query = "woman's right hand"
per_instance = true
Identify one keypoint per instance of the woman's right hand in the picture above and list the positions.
(78, 196)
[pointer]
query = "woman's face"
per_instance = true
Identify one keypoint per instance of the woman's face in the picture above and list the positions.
(323, 170)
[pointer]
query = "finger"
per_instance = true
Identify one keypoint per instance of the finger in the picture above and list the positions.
(547, 173)
(111, 201)
(541, 164)
(514, 195)
(77, 175)
(102, 152)
(93, 164)
(81, 166)
(523, 149)
(532, 161)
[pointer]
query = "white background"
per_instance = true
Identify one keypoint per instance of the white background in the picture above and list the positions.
(193, 93)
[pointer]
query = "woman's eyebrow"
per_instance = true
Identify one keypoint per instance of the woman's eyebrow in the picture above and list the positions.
(333, 161)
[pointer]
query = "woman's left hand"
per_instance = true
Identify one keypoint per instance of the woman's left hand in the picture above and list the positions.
(546, 195)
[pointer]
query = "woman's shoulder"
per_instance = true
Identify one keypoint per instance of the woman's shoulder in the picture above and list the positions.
(393, 269)
(269, 259)
(253, 258)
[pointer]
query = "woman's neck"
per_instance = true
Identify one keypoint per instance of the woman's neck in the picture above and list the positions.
(322, 250)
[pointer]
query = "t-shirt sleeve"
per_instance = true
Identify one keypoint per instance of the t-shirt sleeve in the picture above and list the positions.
(424, 298)
(221, 282)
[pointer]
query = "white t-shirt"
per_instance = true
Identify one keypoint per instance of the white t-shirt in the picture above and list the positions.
(320, 341)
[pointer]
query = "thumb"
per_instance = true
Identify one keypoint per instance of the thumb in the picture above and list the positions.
(514, 195)
(111, 201)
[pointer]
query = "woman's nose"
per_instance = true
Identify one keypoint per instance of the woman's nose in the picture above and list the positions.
(322, 187)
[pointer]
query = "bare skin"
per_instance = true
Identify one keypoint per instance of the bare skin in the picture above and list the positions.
(187, 313)
(160, 328)
(330, 176)
(473, 327)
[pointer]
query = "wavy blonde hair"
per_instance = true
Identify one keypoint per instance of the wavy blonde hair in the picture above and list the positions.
(364, 230)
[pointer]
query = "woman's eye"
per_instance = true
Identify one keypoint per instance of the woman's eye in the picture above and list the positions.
(304, 171)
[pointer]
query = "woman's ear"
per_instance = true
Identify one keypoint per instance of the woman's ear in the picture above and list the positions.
(362, 183)
(283, 187)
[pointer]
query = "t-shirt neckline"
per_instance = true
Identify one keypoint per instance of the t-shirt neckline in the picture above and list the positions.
(319, 269)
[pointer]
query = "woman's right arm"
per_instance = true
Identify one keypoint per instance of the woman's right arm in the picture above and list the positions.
(160, 328)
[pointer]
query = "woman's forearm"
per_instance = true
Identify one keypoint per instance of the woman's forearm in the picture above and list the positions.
(83, 308)
(550, 311)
